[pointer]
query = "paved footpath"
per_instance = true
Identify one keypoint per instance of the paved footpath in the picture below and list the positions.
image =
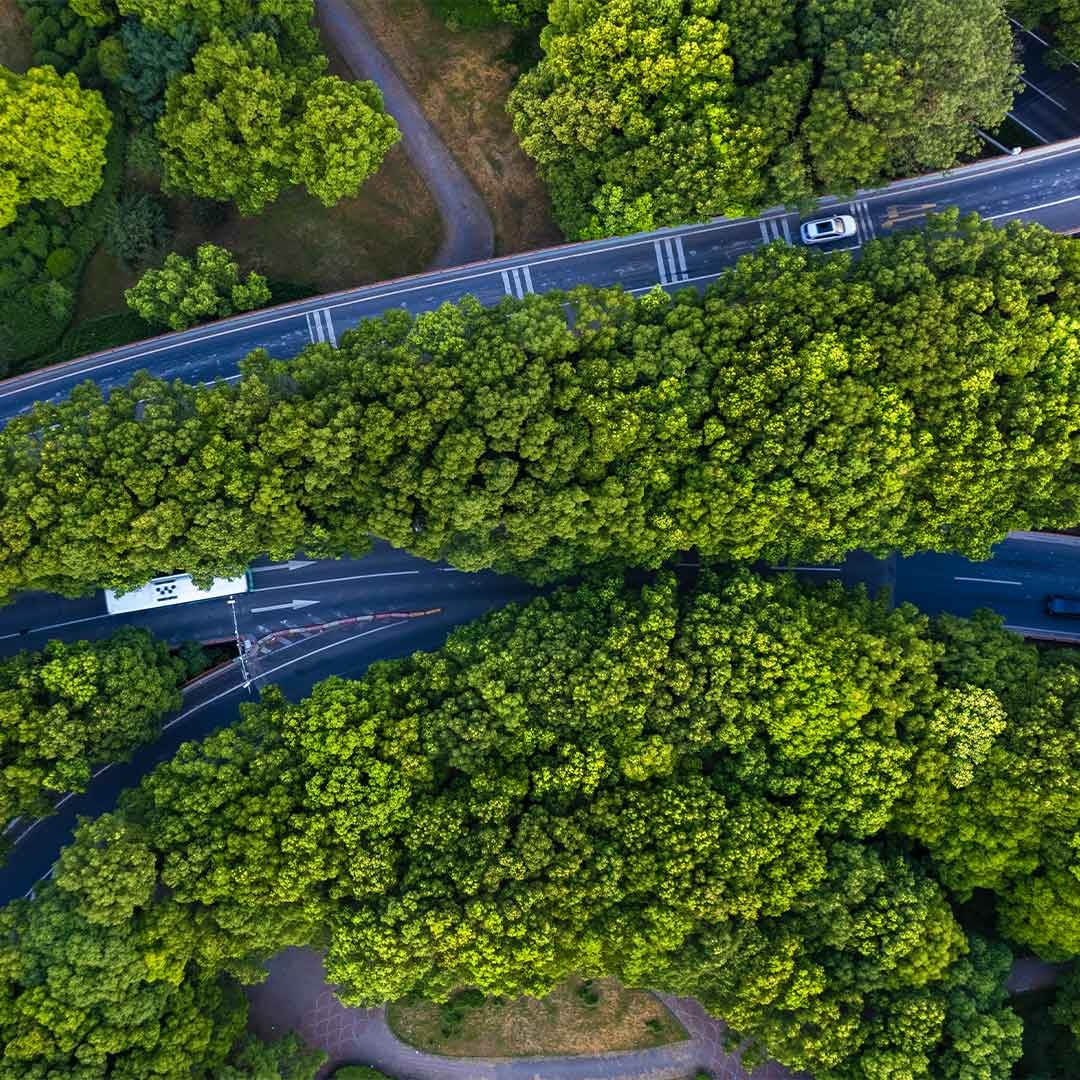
(296, 996)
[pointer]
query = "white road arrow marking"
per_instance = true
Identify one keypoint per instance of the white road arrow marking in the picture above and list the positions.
(295, 605)
(292, 564)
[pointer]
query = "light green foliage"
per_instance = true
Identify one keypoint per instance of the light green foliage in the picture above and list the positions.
(923, 397)
(73, 706)
(186, 291)
(689, 789)
(285, 1059)
(247, 123)
(645, 113)
(52, 139)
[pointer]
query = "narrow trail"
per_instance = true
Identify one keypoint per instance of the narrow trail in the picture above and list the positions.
(468, 234)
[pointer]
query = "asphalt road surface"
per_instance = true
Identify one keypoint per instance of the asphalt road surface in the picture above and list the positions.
(1049, 107)
(295, 665)
(1025, 569)
(1040, 185)
(385, 580)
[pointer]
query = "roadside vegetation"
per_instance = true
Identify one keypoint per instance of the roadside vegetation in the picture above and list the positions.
(777, 798)
(186, 143)
(461, 75)
(68, 708)
(579, 1016)
(923, 397)
(648, 113)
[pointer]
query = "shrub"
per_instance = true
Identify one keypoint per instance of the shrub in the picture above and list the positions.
(137, 229)
(61, 262)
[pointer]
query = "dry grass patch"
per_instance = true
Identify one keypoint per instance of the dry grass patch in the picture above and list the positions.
(595, 1016)
(462, 81)
(15, 52)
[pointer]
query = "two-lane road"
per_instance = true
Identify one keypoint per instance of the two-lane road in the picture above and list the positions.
(1040, 185)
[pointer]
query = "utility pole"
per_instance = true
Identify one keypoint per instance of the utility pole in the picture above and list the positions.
(240, 647)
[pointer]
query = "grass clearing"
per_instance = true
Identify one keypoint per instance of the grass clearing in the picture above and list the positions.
(15, 52)
(461, 79)
(390, 229)
(593, 1016)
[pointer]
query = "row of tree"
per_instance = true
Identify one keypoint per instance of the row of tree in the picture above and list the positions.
(923, 397)
(646, 113)
(772, 797)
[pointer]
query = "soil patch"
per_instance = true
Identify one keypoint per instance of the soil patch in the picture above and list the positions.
(15, 51)
(461, 78)
(579, 1017)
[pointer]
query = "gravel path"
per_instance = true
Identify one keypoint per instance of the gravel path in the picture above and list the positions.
(468, 233)
(296, 996)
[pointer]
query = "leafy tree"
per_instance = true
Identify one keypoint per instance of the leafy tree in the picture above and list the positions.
(286, 1058)
(137, 230)
(245, 124)
(52, 139)
(153, 59)
(645, 114)
(73, 706)
(187, 291)
(1062, 17)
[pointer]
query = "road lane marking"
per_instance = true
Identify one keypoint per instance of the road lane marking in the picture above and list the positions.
(330, 335)
(334, 581)
(293, 605)
(660, 268)
(292, 564)
(1020, 26)
(897, 212)
(764, 231)
(314, 327)
(862, 215)
(787, 231)
(681, 254)
(517, 281)
(528, 279)
(988, 580)
(1031, 209)
(1040, 90)
(1027, 127)
(70, 622)
(391, 289)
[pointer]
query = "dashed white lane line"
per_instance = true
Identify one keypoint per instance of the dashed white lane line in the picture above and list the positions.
(1027, 127)
(334, 581)
(988, 580)
(1040, 90)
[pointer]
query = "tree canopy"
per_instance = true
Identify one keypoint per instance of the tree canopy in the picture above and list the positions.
(700, 790)
(70, 707)
(923, 397)
(647, 113)
(186, 291)
(52, 139)
(246, 123)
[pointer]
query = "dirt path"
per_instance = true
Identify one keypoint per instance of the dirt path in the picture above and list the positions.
(296, 996)
(468, 232)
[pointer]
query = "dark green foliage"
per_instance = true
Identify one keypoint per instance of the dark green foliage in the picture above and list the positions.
(63, 39)
(478, 14)
(35, 306)
(645, 113)
(359, 1072)
(1061, 18)
(925, 396)
(138, 229)
(98, 334)
(286, 1058)
(154, 58)
(68, 708)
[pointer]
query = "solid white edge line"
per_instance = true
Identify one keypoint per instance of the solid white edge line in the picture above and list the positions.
(57, 625)
(1031, 209)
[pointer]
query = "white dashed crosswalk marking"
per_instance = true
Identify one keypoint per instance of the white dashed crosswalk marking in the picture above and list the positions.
(670, 260)
(517, 282)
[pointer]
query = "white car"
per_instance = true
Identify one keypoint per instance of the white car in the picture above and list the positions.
(830, 228)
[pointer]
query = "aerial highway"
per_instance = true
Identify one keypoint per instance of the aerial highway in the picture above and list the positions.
(1041, 185)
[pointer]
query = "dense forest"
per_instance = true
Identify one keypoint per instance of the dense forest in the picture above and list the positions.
(646, 113)
(922, 397)
(776, 798)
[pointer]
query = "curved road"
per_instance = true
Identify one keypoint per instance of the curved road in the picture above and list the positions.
(468, 233)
